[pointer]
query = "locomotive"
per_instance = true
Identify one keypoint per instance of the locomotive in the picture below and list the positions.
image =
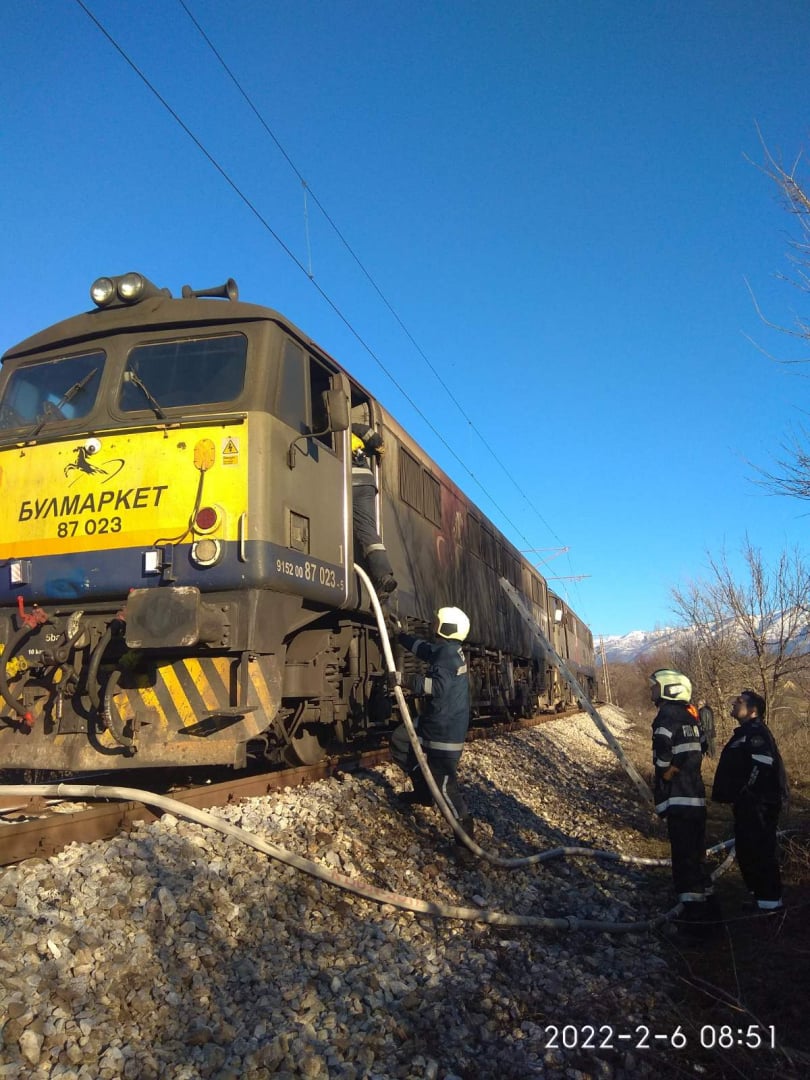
(176, 564)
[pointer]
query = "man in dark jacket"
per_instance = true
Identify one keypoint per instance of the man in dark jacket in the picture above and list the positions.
(442, 725)
(367, 443)
(750, 775)
(680, 797)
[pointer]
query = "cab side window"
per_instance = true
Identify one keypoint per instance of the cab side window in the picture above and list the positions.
(319, 380)
(299, 401)
(291, 403)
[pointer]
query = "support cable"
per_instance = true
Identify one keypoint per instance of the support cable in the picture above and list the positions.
(447, 389)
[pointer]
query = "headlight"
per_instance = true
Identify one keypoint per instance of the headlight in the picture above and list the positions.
(126, 289)
(102, 291)
(131, 287)
(206, 552)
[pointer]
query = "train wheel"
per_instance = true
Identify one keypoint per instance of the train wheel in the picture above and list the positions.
(307, 747)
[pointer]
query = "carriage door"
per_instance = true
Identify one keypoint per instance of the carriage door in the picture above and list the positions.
(313, 482)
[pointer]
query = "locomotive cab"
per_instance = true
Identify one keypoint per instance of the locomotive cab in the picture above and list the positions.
(176, 476)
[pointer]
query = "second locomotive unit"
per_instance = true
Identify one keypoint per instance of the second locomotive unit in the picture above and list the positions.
(176, 560)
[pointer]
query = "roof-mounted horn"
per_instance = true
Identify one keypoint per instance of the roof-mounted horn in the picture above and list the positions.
(228, 291)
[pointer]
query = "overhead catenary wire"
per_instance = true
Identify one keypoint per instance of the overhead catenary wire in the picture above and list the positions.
(307, 270)
(562, 851)
(367, 274)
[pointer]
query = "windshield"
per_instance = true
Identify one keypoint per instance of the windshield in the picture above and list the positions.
(171, 374)
(60, 389)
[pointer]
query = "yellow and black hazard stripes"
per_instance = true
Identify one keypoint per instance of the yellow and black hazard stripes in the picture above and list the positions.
(178, 697)
(190, 689)
(260, 681)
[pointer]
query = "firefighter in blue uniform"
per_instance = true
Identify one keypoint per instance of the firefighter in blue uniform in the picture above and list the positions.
(680, 797)
(750, 775)
(442, 725)
(366, 443)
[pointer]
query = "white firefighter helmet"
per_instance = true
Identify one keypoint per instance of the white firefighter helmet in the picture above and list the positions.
(672, 685)
(453, 624)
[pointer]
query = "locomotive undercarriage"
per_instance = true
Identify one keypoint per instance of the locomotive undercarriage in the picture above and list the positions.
(334, 689)
(502, 686)
(175, 677)
(82, 693)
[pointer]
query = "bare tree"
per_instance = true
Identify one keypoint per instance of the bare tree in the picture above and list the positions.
(794, 192)
(752, 632)
(791, 474)
(631, 690)
(711, 653)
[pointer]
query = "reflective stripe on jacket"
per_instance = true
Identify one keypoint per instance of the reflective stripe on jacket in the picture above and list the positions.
(444, 723)
(678, 742)
(751, 765)
(365, 441)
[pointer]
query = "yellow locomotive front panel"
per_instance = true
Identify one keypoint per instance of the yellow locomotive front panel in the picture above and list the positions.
(97, 515)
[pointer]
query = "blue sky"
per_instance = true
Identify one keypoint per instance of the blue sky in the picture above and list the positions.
(555, 198)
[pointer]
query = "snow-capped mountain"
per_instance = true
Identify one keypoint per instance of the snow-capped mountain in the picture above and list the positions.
(788, 631)
(626, 647)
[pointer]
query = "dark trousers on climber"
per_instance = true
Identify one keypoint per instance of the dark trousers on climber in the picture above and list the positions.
(366, 538)
(443, 765)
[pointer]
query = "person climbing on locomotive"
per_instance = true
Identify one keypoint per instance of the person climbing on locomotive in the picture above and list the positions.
(442, 726)
(367, 443)
(750, 775)
(680, 797)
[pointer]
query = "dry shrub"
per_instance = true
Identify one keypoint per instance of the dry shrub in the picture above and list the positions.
(795, 852)
(791, 729)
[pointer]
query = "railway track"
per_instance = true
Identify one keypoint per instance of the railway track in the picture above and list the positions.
(39, 828)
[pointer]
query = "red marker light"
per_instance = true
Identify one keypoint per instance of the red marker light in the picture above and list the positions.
(206, 519)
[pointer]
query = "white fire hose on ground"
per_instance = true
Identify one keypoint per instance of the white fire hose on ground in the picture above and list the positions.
(447, 811)
(436, 792)
(331, 877)
(361, 888)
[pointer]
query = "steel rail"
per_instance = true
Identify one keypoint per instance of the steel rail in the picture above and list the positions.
(33, 829)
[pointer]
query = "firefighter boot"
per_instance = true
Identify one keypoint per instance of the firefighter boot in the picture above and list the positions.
(380, 571)
(420, 796)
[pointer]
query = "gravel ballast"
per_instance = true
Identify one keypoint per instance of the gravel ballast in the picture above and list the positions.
(175, 952)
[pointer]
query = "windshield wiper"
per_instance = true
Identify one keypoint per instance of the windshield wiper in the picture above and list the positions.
(131, 376)
(49, 409)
